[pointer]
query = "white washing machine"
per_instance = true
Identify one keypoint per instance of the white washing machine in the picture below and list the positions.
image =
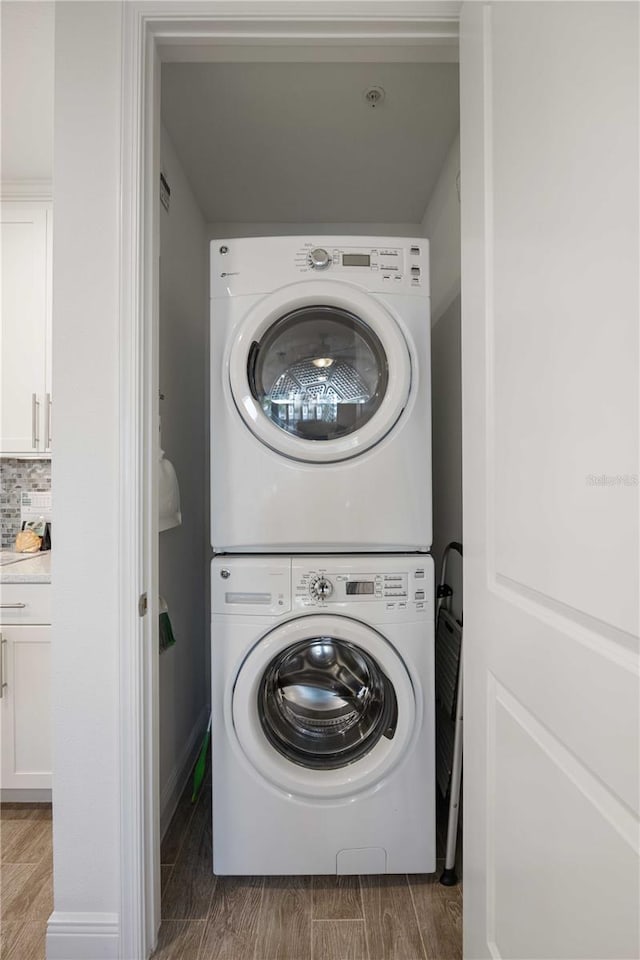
(323, 715)
(320, 395)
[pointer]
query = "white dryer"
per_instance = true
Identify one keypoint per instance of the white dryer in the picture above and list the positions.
(320, 395)
(323, 715)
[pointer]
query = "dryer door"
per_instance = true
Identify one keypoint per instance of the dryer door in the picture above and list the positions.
(324, 706)
(320, 371)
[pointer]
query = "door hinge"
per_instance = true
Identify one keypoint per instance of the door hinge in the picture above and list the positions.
(142, 605)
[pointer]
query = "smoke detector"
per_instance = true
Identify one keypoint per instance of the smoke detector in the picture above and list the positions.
(374, 95)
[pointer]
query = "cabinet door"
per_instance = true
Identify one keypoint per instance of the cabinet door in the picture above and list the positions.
(25, 707)
(24, 302)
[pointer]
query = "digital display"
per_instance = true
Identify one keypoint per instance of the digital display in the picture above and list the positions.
(356, 260)
(359, 587)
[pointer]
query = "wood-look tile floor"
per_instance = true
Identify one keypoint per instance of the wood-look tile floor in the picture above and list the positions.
(26, 879)
(393, 917)
(237, 918)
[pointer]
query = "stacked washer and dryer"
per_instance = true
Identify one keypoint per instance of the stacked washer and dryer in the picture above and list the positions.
(322, 583)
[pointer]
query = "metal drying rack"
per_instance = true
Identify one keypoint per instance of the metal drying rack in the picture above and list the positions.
(448, 680)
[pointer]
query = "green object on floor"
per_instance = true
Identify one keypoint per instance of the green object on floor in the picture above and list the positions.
(201, 764)
(165, 629)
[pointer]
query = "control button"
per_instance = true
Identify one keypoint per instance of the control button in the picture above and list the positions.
(419, 574)
(415, 251)
(321, 588)
(319, 259)
(419, 594)
(415, 271)
(374, 266)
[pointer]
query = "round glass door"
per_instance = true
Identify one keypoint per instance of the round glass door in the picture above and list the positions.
(319, 373)
(324, 703)
(323, 707)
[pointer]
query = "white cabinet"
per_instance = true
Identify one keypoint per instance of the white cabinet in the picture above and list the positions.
(25, 332)
(25, 674)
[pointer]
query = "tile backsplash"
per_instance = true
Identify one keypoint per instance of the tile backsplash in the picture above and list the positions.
(16, 477)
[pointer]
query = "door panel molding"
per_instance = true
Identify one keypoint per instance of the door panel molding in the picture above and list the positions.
(618, 645)
(520, 850)
(597, 791)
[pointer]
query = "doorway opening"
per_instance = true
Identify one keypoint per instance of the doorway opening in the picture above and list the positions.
(221, 181)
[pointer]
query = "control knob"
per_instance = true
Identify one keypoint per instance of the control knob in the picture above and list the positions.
(321, 588)
(319, 259)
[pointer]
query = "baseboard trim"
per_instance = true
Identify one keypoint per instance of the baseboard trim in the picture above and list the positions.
(83, 936)
(172, 790)
(13, 795)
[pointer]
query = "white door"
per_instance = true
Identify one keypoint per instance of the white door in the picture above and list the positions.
(550, 423)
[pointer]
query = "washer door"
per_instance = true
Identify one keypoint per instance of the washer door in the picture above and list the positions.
(320, 371)
(323, 706)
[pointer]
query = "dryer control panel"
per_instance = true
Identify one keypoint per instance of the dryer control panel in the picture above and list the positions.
(263, 264)
(388, 264)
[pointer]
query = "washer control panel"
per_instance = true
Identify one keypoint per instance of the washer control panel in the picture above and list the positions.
(329, 586)
(395, 587)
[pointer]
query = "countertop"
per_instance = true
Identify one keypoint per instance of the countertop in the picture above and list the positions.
(37, 569)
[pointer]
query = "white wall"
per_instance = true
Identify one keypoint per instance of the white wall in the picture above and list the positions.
(184, 550)
(441, 225)
(27, 90)
(86, 479)
(222, 231)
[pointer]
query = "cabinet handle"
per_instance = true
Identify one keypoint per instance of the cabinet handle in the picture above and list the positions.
(35, 421)
(47, 436)
(12, 606)
(2, 680)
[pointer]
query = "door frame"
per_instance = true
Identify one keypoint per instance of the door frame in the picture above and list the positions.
(154, 32)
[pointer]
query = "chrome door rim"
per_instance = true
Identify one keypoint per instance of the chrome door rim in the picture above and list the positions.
(324, 703)
(244, 725)
(401, 379)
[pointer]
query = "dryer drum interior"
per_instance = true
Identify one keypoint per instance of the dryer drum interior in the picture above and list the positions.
(324, 703)
(319, 372)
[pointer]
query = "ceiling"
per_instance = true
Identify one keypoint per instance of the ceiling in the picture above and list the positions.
(298, 143)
